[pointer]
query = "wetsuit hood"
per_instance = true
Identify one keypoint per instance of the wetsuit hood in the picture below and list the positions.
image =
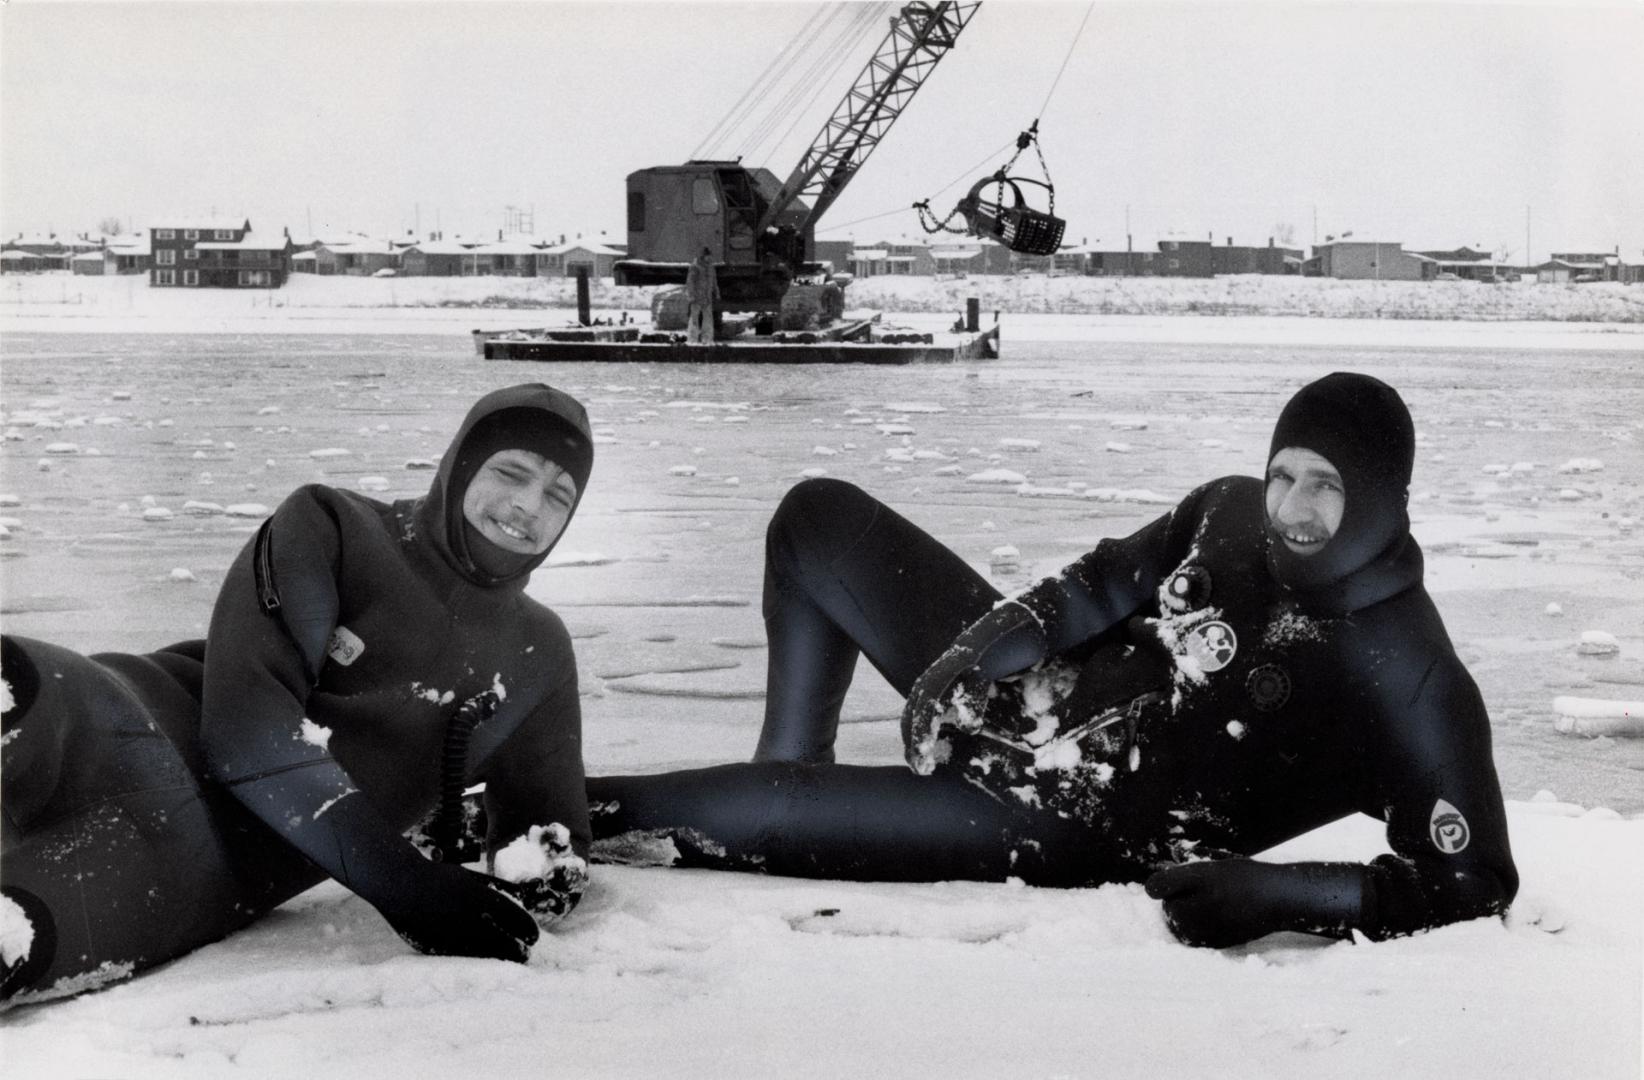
(1362, 427)
(531, 416)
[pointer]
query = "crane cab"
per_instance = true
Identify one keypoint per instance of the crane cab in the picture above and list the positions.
(674, 211)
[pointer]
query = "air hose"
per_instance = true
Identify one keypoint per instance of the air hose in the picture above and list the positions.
(446, 833)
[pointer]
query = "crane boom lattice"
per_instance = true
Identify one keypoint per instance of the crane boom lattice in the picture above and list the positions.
(920, 35)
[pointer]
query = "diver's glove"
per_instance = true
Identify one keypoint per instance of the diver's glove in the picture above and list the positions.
(1006, 640)
(542, 872)
(438, 908)
(1223, 902)
(451, 911)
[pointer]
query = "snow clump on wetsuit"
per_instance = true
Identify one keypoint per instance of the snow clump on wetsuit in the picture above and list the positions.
(1361, 426)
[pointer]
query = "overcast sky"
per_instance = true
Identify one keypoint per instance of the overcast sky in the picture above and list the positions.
(1432, 124)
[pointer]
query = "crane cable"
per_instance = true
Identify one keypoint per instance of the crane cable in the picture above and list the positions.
(744, 104)
(812, 81)
(824, 83)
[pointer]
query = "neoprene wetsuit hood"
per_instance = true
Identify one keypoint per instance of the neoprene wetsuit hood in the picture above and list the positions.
(1362, 427)
(531, 416)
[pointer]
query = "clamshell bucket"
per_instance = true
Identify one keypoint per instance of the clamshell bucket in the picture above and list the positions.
(1019, 227)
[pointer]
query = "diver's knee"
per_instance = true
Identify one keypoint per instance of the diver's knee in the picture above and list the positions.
(28, 940)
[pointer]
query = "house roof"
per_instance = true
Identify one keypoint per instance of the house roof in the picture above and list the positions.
(441, 247)
(870, 254)
(202, 224)
(13, 255)
(251, 242)
(952, 253)
(88, 256)
(592, 247)
(506, 247)
(362, 246)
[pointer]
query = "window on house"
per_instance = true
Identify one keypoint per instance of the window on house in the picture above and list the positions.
(223, 234)
(165, 277)
(1175, 264)
(165, 234)
(191, 253)
(165, 257)
(254, 277)
(191, 277)
(191, 234)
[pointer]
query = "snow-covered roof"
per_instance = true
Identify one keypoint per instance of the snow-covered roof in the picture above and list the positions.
(592, 247)
(506, 247)
(952, 253)
(251, 242)
(441, 247)
(306, 256)
(201, 224)
(88, 256)
(362, 246)
(869, 254)
(13, 255)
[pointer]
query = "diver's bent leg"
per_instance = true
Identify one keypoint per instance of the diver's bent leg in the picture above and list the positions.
(846, 574)
(851, 822)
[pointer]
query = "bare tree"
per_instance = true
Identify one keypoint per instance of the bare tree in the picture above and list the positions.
(110, 226)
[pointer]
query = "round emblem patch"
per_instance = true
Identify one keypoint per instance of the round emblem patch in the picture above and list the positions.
(1268, 687)
(1188, 589)
(1212, 644)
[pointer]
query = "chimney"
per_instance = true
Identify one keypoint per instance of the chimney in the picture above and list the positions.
(1229, 241)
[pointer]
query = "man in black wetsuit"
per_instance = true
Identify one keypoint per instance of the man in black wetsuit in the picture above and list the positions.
(1256, 663)
(364, 662)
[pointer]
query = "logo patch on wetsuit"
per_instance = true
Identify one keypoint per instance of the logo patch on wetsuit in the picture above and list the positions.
(1212, 644)
(1448, 828)
(1188, 589)
(345, 646)
(1268, 687)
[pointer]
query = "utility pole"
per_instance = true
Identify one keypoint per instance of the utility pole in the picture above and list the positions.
(1529, 262)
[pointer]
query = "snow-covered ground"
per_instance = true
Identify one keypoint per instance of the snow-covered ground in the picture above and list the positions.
(1527, 498)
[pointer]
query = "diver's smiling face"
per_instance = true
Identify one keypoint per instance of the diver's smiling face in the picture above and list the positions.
(520, 501)
(1305, 499)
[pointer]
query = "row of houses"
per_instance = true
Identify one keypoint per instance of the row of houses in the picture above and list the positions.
(230, 254)
(1337, 258)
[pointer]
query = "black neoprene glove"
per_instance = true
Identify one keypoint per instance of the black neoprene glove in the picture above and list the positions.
(451, 911)
(1006, 640)
(1226, 902)
(438, 908)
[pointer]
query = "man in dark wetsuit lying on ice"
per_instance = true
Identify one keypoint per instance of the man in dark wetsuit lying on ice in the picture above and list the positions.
(365, 661)
(1256, 663)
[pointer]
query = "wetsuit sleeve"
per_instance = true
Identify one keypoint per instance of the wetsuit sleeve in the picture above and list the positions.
(1120, 576)
(1437, 788)
(536, 776)
(1445, 823)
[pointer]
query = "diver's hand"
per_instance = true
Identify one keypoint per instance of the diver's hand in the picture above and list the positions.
(450, 911)
(542, 872)
(1222, 902)
(1006, 640)
(932, 694)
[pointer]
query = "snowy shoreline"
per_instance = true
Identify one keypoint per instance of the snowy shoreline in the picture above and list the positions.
(1268, 310)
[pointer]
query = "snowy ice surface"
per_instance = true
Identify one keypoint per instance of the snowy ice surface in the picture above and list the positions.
(667, 972)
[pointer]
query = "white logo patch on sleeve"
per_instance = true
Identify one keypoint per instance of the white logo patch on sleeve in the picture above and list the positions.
(345, 646)
(1448, 828)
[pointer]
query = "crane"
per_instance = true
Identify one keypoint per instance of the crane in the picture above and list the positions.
(761, 231)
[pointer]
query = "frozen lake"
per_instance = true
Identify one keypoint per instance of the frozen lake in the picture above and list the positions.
(1526, 494)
